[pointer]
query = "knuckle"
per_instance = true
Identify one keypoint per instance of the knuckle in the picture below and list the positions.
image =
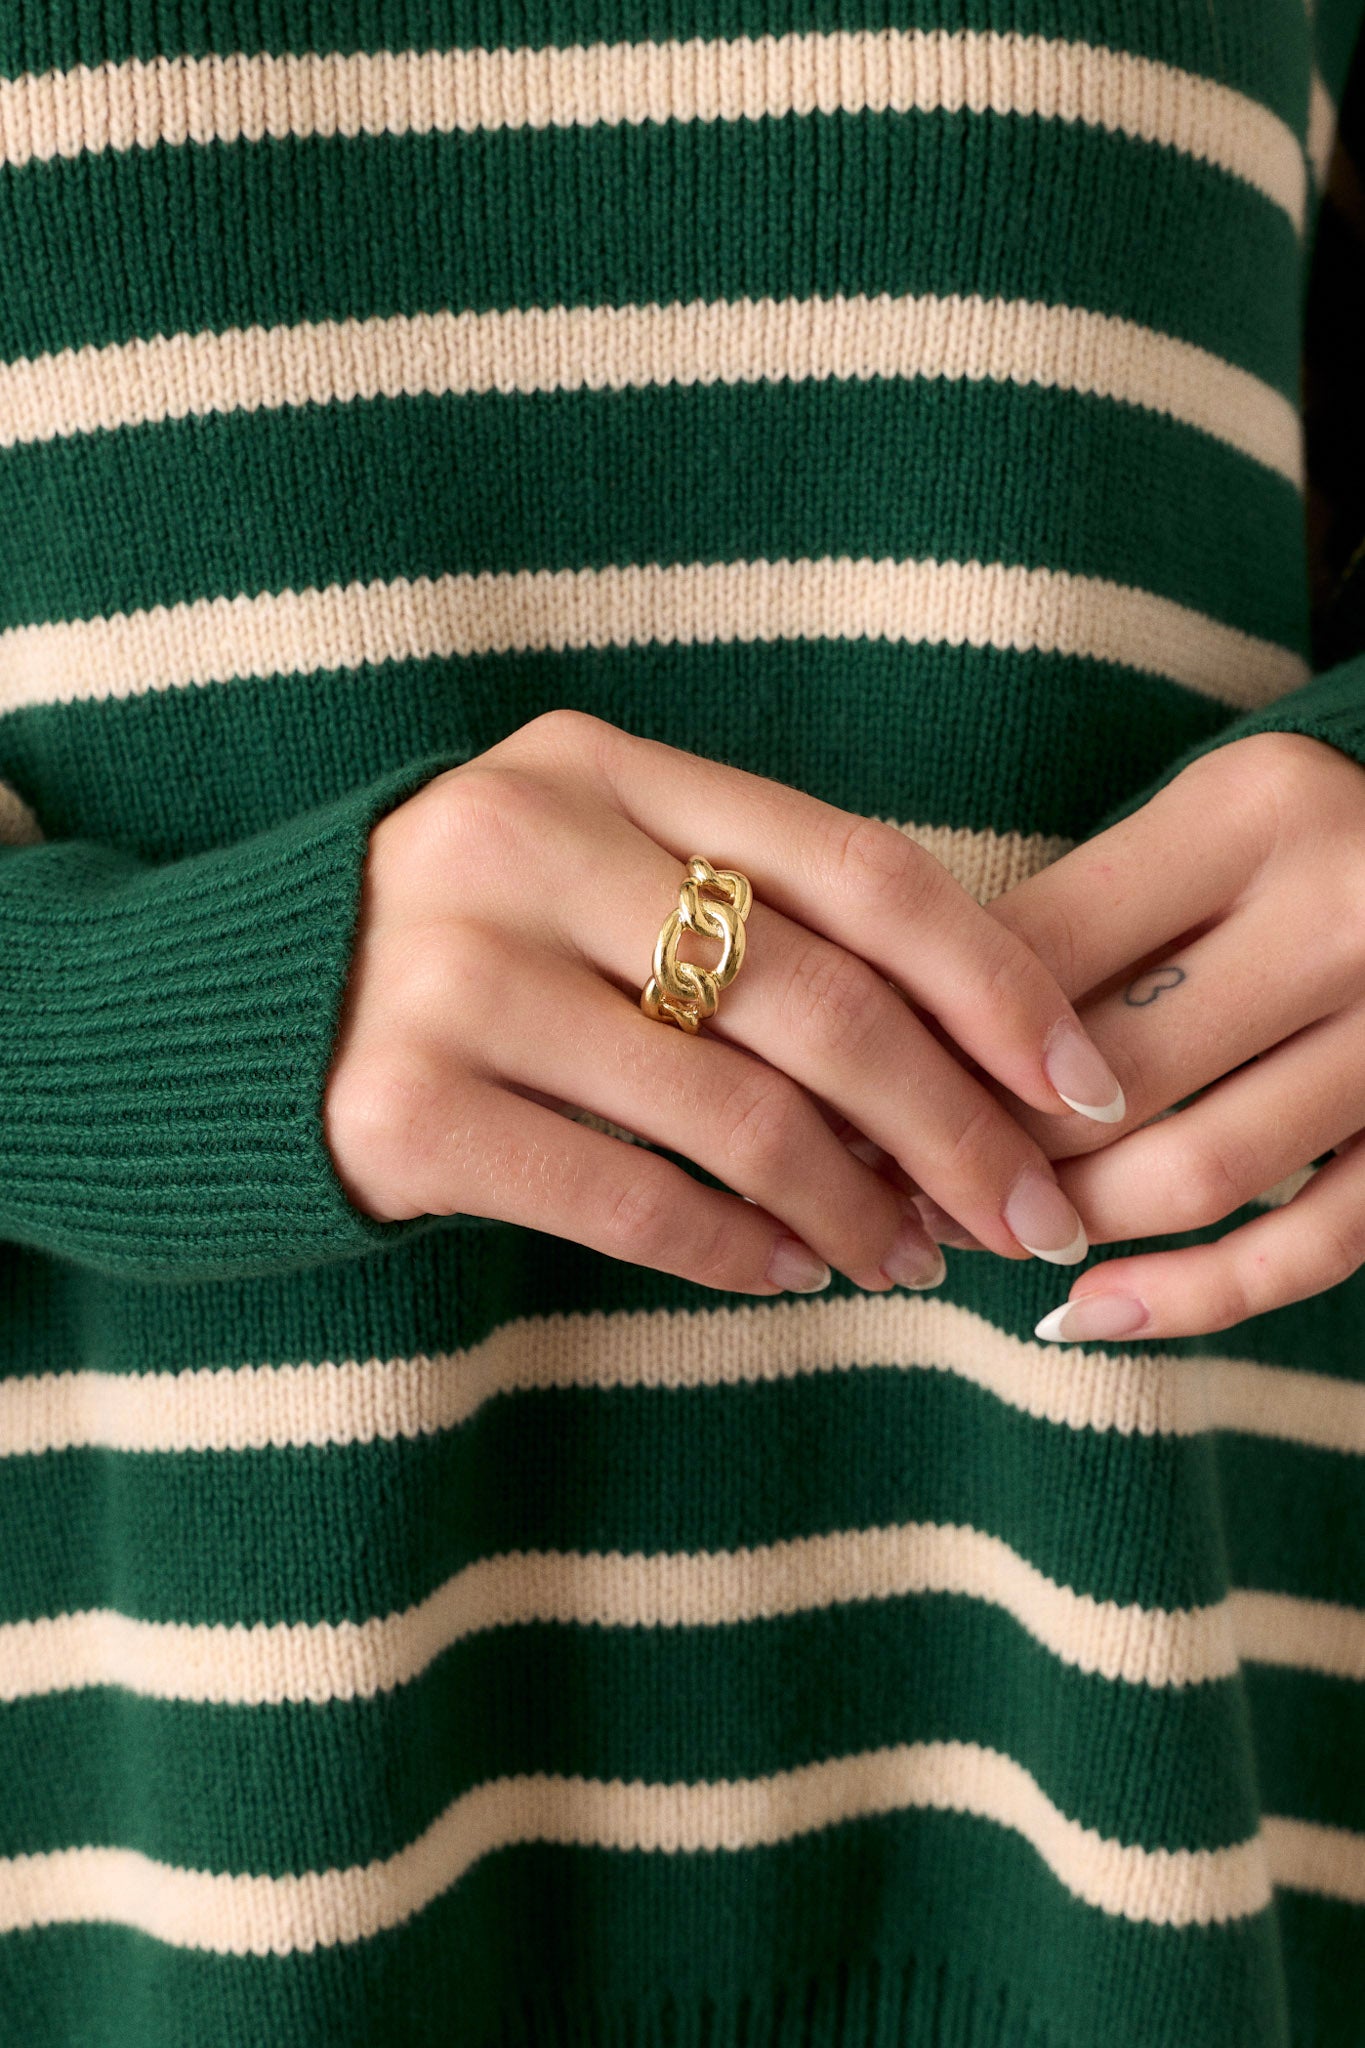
(1263, 783)
(761, 1118)
(1214, 1176)
(1005, 975)
(481, 815)
(378, 1115)
(1050, 935)
(875, 862)
(712, 1261)
(560, 734)
(1230, 1298)
(834, 1002)
(640, 1216)
(972, 1153)
(1337, 1253)
(1281, 764)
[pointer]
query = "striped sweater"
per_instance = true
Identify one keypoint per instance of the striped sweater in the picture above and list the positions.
(435, 1632)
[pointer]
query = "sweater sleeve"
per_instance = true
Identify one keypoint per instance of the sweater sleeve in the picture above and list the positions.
(165, 1035)
(1330, 707)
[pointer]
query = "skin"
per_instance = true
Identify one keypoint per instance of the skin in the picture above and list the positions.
(508, 915)
(880, 1075)
(1214, 943)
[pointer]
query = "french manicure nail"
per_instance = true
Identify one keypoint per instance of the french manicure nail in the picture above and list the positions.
(795, 1268)
(1095, 1315)
(911, 1262)
(1044, 1221)
(945, 1229)
(1080, 1074)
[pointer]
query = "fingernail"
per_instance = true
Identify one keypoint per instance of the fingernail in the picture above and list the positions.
(1044, 1221)
(911, 1262)
(795, 1268)
(1080, 1074)
(945, 1229)
(1095, 1315)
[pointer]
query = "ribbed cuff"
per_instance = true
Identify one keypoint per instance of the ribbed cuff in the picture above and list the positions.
(165, 1035)
(1331, 707)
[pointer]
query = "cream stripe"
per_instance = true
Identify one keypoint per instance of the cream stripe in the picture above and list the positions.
(1322, 128)
(692, 603)
(250, 1407)
(267, 1663)
(244, 97)
(1286, 1189)
(987, 863)
(321, 1662)
(562, 348)
(248, 1914)
(1299, 1635)
(1307, 1856)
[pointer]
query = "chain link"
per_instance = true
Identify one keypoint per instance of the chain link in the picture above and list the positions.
(678, 991)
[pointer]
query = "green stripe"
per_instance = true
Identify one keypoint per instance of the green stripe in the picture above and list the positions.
(843, 720)
(540, 1924)
(204, 1786)
(1335, 32)
(1309, 1732)
(232, 502)
(1294, 1522)
(454, 1287)
(1324, 1958)
(1249, 50)
(787, 208)
(350, 1531)
(539, 1947)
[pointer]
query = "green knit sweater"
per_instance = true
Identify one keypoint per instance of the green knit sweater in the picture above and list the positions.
(436, 1633)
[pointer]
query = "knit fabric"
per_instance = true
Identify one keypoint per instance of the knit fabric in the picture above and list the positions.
(435, 1632)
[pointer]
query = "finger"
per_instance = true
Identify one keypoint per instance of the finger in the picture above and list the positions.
(743, 1121)
(847, 1132)
(1186, 855)
(861, 1146)
(945, 1229)
(1249, 982)
(939, 1225)
(1241, 1137)
(1314, 1242)
(882, 1162)
(514, 1160)
(825, 1017)
(864, 885)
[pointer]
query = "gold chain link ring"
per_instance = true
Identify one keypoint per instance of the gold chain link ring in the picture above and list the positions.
(678, 992)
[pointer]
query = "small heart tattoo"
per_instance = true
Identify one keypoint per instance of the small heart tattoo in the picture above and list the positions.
(1163, 978)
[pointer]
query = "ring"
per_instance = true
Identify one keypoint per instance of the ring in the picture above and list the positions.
(678, 992)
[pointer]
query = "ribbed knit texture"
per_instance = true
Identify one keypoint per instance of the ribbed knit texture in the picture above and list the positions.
(166, 1027)
(436, 1633)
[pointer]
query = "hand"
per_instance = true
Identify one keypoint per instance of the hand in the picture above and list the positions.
(1218, 937)
(508, 915)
